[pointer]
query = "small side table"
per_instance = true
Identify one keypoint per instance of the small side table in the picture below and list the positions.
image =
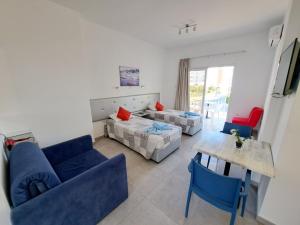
(20, 137)
(141, 114)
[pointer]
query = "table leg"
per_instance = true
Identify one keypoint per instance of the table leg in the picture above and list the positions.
(199, 154)
(207, 111)
(227, 168)
(246, 190)
(208, 161)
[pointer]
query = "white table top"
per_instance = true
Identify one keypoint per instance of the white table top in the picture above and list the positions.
(254, 155)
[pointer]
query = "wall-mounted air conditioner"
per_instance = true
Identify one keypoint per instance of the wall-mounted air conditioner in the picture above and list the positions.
(275, 35)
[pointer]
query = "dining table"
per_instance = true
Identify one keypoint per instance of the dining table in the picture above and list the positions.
(254, 155)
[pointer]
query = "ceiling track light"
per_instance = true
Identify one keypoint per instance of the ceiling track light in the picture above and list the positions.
(187, 28)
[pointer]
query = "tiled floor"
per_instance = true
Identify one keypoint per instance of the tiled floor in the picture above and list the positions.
(157, 192)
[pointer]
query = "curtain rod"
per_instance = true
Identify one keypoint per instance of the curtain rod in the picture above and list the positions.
(219, 54)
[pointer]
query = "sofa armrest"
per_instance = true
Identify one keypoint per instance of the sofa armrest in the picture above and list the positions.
(68, 149)
(82, 200)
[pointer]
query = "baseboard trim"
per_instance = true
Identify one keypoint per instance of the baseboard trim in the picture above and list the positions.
(264, 221)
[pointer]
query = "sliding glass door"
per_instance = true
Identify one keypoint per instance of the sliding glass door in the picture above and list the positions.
(210, 90)
(197, 90)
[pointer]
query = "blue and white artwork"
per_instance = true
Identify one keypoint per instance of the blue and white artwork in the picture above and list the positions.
(129, 76)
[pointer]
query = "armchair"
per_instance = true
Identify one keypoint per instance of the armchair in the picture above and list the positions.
(84, 187)
(252, 120)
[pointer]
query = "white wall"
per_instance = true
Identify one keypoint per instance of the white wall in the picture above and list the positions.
(8, 105)
(58, 61)
(42, 80)
(251, 75)
(42, 45)
(52, 62)
(279, 202)
(106, 50)
(10, 116)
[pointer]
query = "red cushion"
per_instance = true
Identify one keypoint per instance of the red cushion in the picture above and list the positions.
(159, 107)
(123, 114)
(241, 121)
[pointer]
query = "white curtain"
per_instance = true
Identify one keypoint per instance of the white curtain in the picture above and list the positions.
(182, 101)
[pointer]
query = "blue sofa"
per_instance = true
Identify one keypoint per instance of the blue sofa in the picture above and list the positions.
(69, 183)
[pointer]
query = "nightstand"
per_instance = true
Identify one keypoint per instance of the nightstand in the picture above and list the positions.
(141, 114)
(19, 137)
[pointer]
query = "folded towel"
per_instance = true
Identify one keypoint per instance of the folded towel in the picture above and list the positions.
(191, 114)
(158, 128)
(161, 126)
(184, 116)
(152, 130)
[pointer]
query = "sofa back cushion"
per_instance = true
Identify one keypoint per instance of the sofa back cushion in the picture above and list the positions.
(78, 164)
(30, 173)
(61, 152)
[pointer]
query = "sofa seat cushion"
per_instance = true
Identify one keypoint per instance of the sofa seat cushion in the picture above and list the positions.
(78, 164)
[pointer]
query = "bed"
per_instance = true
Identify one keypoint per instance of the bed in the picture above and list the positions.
(133, 133)
(190, 125)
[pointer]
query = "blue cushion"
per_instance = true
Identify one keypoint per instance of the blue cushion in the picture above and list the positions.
(78, 164)
(58, 153)
(30, 173)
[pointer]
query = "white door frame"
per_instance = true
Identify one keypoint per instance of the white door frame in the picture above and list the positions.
(204, 88)
(205, 79)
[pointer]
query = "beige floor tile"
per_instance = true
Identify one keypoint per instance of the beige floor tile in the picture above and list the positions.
(147, 214)
(157, 191)
(170, 198)
(121, 212)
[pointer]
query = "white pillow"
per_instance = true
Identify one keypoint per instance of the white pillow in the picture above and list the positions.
(114, 117)
(151, 106)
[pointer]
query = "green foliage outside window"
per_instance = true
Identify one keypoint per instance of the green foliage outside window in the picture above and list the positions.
(196, 91)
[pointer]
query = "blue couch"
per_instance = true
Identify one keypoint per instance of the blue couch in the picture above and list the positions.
(68, 183)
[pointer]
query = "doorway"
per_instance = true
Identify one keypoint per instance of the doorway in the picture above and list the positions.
(210, 90)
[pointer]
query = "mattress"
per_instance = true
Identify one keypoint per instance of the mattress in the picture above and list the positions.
(189, 125)
(133, 134)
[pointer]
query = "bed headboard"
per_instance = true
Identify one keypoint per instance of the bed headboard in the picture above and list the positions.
(102, 107)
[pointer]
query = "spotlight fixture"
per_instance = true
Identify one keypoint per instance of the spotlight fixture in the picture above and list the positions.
(187, 27)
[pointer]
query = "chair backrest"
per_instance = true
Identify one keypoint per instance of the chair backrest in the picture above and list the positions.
(244, 131)
(221, 191)
(255, 115)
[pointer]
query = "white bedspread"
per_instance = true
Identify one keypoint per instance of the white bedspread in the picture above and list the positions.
(133, 134)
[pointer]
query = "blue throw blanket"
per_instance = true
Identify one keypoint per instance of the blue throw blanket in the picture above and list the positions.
(189, 114)
(158, 128)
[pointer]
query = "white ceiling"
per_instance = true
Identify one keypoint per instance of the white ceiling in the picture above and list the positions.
(155, 21)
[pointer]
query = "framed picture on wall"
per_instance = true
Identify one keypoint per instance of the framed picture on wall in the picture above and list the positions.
(129, 76)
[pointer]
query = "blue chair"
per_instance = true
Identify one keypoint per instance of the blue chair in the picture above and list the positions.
(244, 131)
(221, 191)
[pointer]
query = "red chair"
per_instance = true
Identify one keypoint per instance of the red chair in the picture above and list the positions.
(252, 120)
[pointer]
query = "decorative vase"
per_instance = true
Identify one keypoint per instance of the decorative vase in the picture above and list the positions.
(238, 144)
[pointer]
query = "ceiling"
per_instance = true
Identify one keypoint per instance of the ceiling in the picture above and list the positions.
(155, 21)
